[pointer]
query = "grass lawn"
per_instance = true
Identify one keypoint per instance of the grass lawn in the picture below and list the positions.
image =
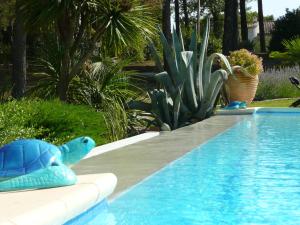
(286, 102)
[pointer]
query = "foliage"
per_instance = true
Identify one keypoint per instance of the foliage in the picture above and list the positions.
(7, 11)
(275, 84)
(52, 121)
(291, 56)
(286, 27)
(251, 64)
(189, 89)
(214, 45)
(83, 26)
(46, 69)
(106, 86)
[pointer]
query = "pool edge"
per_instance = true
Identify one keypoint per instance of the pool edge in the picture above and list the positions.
(253, 110)
(56, 205)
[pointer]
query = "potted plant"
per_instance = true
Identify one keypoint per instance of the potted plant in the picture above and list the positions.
(246, 67)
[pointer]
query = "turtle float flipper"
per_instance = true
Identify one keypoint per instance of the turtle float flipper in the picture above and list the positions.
(53, 176)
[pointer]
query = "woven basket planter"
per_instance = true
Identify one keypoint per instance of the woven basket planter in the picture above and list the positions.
(243, 88)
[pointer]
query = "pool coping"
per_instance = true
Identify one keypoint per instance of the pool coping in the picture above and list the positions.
(253, 110)
(55, 206)
(121, 143)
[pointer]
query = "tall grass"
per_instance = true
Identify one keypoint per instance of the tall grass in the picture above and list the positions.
(275, 84)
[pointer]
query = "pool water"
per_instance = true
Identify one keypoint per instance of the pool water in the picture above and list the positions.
(249, 174)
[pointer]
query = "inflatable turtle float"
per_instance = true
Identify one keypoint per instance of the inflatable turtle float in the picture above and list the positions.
(34, 164)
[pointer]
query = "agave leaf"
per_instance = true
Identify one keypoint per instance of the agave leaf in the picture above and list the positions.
(181, 40)
(217, 80)
(193, 48)
(164, 107)
(164, 79)
(214, 96)
(178, 49)
(176, 110)
(213, 88)
(155, 57)
(188, 71)
(199, 78)
(154, 102)
(174, 73)
(208, 67)
(165, 127)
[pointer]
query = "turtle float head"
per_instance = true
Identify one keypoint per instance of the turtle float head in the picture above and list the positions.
(73, 151)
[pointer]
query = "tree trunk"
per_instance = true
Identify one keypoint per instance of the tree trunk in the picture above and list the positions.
(244, 26)
(186, 14)
(198, 18)
(177, 19)
(19, 57)
(261, 26)
(64, 78)
(166, 20)
(230, 37)
(166, 26)
(66, 34)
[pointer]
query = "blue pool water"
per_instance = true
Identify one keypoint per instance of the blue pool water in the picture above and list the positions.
(249, 174)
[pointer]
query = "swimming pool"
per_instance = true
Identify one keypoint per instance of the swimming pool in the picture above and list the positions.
(249, 174)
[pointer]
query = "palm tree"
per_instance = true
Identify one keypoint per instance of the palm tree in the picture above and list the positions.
(81, 25)
(261, 26)
(19, 56)
(230, 37)
(244, 27)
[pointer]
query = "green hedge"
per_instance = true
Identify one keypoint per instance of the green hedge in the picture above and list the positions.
(52, 121)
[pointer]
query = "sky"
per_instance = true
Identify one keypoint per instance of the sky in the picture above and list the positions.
(275, 7)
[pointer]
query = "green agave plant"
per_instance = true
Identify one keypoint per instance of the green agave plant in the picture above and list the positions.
(189, 90)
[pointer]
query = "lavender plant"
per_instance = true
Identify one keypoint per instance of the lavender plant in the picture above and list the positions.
(275, 83)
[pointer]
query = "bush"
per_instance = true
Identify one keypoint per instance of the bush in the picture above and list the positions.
(52, 121)
(275, 84)
(251, 63)
(291, 56)
(214, 45)
(286, 27)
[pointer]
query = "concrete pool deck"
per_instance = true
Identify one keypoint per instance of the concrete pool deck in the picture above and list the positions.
(133, 163)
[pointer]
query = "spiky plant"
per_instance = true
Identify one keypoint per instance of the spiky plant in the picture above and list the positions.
(107, 87)
(190, 88)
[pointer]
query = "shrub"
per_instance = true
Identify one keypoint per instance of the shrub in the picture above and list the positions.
(250, 62)
(52, 121)
(291, 56)
(286, 27)
(275, 84)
